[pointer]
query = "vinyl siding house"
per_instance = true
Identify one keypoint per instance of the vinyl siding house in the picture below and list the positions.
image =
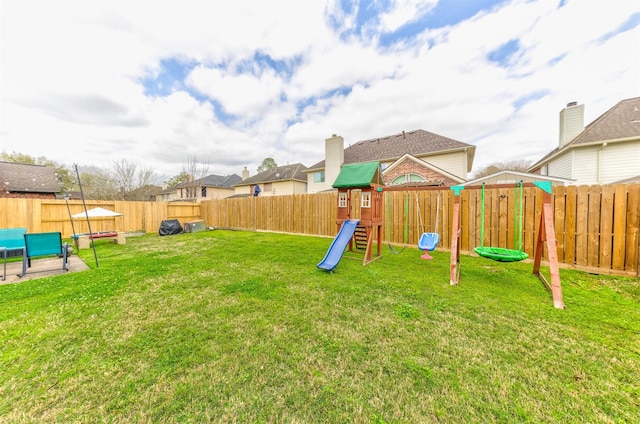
(28, 181)
(412, 157)
(206, 188)
(282, 180)
(514, 177)
(606, 151)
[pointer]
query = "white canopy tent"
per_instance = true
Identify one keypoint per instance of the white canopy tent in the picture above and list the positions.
(96, 213)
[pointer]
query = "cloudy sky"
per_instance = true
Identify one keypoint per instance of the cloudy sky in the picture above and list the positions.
(233, 82)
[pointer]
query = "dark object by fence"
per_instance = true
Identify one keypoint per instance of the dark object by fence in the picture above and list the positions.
(170, 227)
(195, 226)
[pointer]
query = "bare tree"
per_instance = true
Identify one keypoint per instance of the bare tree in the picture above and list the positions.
(129, 176)
(124, 174)
(146, 176)
(195, 171)
(98, 184)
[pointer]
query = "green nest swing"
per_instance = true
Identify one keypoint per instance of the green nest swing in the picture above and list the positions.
(502, 254)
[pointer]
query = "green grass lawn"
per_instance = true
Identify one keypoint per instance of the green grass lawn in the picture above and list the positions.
(227, 326)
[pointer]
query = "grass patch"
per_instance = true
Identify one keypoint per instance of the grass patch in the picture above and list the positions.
(231, 326)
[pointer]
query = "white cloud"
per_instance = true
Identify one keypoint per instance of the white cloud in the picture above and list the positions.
(402, 12)
(71, 79)
(239, 94)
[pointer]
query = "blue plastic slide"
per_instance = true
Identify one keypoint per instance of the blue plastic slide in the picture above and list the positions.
(339, 244)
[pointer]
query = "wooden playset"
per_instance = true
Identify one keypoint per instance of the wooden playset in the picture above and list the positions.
(366, 179)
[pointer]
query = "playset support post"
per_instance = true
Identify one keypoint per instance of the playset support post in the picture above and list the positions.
(546, 233)
(454, 264)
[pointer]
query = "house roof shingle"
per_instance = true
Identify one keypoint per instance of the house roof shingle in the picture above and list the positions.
(220, 181)
(416, 143)
(23, 177)
(292, 172)
(620, 122)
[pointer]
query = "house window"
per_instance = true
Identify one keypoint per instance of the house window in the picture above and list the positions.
(203, 192)
(405, 178)
(342, 200)
(366, 200)
(318, 177)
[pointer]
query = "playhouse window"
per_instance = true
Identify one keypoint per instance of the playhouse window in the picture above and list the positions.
(342, 200)
(366, 200)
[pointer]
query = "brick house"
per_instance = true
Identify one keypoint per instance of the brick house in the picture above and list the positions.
(414, 157)
(28, 181)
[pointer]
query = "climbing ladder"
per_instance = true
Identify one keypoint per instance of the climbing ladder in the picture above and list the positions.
(360, 238)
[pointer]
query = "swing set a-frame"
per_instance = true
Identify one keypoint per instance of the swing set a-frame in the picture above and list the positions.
(546, 237)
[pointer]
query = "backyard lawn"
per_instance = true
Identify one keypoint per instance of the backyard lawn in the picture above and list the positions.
(231, 326)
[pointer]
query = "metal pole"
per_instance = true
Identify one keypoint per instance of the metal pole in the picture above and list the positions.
(95, 255)
(73, 228)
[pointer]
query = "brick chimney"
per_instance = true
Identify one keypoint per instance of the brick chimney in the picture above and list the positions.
(245, 173)
(333, 158)
(571, 122)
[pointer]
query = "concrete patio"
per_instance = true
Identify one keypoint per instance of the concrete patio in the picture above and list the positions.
(40, 268)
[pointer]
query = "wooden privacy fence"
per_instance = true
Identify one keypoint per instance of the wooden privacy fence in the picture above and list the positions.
(597, 227)
(42, 215)
(313, 214)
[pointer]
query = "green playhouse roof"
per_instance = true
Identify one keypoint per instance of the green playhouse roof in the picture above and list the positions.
(358, 175)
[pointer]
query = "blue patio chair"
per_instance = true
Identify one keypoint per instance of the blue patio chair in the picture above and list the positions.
(44, 244)
(11, 239)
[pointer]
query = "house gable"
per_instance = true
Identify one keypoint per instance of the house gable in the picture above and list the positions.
(431, 174)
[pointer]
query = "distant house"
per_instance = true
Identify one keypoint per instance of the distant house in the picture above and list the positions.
(412, 157)
(513, 177)
(604, 152)
(287, 179)
(26, 180)
(206, 188)
(146, 193)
